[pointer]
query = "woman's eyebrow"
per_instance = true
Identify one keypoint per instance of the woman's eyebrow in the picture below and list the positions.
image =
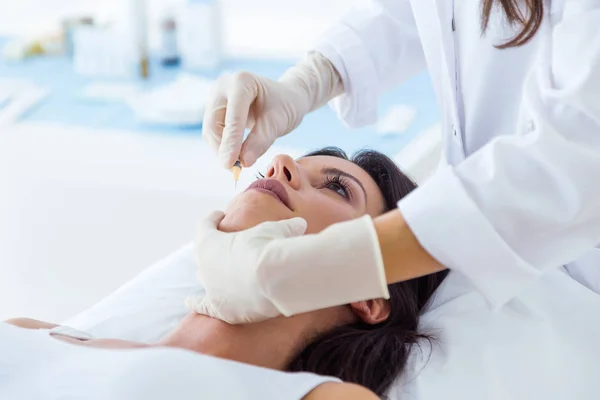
(336, 171)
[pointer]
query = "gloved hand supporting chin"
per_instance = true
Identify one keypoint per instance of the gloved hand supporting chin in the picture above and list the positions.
(271, 269)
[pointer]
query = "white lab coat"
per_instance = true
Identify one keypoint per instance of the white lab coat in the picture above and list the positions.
(521, 130)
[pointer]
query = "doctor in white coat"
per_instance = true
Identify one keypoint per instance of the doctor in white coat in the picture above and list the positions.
(518, 83)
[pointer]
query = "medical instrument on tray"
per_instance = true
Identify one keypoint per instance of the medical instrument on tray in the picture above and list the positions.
(19, 49)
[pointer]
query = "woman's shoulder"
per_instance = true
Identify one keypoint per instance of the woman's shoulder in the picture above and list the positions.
(346, 391)
(29, 323)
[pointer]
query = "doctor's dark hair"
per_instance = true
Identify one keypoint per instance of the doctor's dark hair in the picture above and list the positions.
(374, 356)
(526, 14)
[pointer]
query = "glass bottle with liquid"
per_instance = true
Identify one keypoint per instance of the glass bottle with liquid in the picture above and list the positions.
(168, 48)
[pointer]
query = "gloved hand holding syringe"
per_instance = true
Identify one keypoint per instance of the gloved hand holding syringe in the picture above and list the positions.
(268, 108)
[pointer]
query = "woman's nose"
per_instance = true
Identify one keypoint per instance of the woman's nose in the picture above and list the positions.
(284, 168)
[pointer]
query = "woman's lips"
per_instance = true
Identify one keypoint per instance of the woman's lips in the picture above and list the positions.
(274, 188)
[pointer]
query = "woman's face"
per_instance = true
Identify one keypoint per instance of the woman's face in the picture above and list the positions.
(321, 189)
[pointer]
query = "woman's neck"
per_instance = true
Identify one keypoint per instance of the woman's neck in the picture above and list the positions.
(272, 344)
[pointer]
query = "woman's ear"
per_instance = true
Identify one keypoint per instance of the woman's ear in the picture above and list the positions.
(372, 311)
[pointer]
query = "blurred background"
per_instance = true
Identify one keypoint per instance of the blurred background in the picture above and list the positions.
(103, 170)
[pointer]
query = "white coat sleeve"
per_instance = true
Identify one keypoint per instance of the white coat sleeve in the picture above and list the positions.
(529, 202)
(374, 47)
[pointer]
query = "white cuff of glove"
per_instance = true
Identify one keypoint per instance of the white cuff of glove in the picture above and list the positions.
(340, 265)
(317, 77)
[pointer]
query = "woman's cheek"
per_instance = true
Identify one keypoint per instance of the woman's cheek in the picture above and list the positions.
(320, 217)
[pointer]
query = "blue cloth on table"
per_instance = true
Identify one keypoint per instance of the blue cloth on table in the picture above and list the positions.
(64, 105)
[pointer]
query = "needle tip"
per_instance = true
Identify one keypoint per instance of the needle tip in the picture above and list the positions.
(236, 170)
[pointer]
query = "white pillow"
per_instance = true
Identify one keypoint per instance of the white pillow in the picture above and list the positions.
(149, 306)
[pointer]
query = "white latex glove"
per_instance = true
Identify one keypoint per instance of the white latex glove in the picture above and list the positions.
(270, 270)
(269, 108)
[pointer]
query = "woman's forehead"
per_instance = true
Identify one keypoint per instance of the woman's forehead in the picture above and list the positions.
(318, 163)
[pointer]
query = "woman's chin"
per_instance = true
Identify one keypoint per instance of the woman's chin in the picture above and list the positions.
(240, 220)
(230, 225)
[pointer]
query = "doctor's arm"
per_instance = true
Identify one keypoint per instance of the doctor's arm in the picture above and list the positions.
(374, 47)
(519, 206)
(29, 323)
(526, 203)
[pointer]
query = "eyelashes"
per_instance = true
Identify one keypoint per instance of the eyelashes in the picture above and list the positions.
(339, 185)
(259, 176)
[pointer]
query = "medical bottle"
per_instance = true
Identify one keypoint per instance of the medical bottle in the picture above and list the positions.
(199, 35)
(168, 49)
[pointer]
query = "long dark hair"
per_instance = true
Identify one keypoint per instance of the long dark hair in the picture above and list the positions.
(374, 355)
(529, 20)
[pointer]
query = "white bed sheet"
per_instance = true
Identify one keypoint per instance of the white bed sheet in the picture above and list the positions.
(542, 345)
(149, 306)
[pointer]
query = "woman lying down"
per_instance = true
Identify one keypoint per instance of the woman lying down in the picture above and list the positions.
(365, 343)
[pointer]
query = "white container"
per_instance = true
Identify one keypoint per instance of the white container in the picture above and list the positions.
(102, 52)
(137, 16)
(199, 35)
